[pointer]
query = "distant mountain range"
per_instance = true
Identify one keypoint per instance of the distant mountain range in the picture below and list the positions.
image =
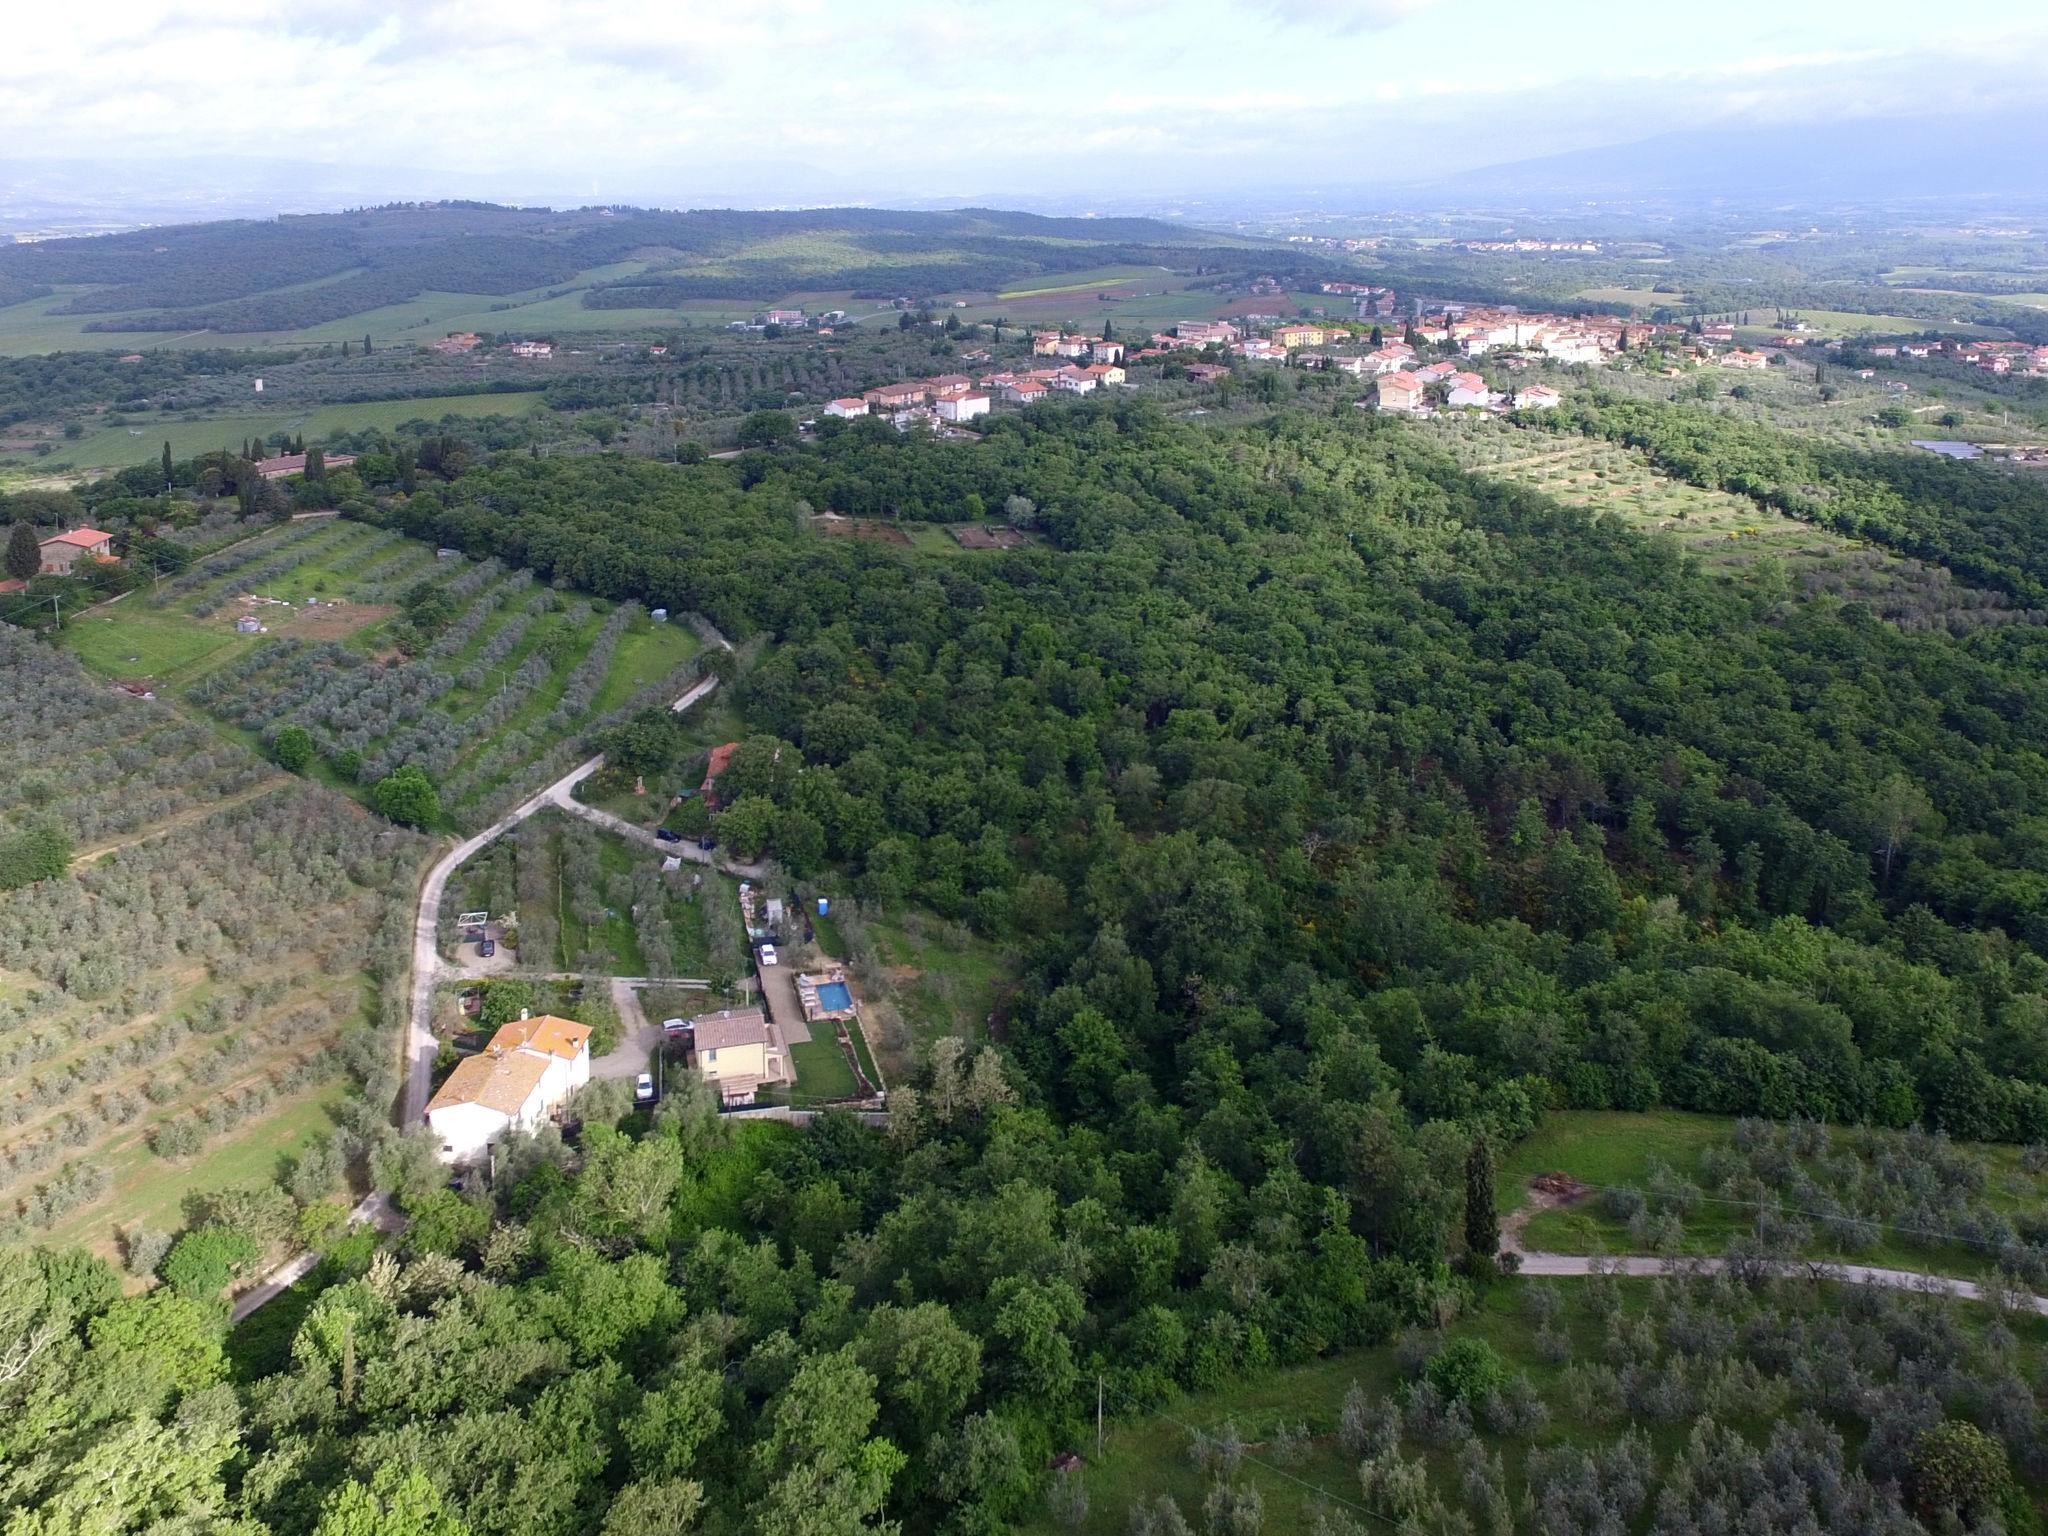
(1807, 166)
(1813, 164)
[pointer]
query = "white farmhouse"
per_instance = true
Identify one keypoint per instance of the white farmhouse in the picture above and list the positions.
(514, 1083)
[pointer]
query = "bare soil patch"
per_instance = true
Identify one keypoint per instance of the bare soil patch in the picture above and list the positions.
(976, 537)
(852, 528)
(323, 620)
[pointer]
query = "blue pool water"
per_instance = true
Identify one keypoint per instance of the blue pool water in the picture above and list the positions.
(833, 996)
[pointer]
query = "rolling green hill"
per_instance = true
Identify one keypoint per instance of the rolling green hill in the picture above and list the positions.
(248, 277)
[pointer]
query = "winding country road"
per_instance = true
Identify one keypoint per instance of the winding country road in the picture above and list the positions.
(426, 956)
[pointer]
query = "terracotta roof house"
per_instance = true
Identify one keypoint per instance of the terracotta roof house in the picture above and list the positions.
(1024, 391)
(847, 408)
(1537, 397)
(719, 760)
(514, 1083)
(62, 551)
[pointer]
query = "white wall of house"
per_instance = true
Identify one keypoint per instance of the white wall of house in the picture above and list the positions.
(466, 1129)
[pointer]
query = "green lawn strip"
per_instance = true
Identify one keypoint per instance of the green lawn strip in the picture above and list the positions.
(830, 939)
(821, 1069)
(646, 653)
(933, 539)
(865, 1056)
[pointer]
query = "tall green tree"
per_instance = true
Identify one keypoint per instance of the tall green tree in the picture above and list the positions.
(408, 797)
(24, 554)
(1482, 1217)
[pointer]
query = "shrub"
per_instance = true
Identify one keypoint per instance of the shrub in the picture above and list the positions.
(1466, 1371)
(293, 748)
(1959, 1471)
(204, 1261)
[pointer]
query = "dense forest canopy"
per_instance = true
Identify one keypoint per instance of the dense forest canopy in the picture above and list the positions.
(1298, 724)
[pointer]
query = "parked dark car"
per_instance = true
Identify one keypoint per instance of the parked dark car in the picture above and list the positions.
(662, 834)
(707, 843)
(487, 948)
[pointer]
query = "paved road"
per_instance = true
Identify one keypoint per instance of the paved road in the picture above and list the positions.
(376, 1209)
(1848, 1274)
(633, 832)
(426, 957)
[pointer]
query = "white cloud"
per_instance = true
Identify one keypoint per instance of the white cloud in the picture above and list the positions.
(1004, 95)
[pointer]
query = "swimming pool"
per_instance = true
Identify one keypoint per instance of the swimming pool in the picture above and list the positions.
(833, 996)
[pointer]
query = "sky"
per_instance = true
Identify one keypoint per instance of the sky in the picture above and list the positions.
(804, 100)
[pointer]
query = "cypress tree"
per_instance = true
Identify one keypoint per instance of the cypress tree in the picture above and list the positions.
(24, 554)
(167, 464)
(1482, 1218)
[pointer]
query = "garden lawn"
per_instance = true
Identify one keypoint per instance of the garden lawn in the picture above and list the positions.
(821, 1069)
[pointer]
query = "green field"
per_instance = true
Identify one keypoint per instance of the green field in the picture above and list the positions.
(1081, 282)
(1843, 322)
(127, 639)
(141, 440)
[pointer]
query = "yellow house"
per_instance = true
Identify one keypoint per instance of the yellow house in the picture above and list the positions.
(1292, 336)
(735, 1052)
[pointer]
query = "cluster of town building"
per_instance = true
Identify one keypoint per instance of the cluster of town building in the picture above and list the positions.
(2000, 357)
(952, 398)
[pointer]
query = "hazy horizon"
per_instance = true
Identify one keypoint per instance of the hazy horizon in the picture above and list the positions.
(797, 102)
